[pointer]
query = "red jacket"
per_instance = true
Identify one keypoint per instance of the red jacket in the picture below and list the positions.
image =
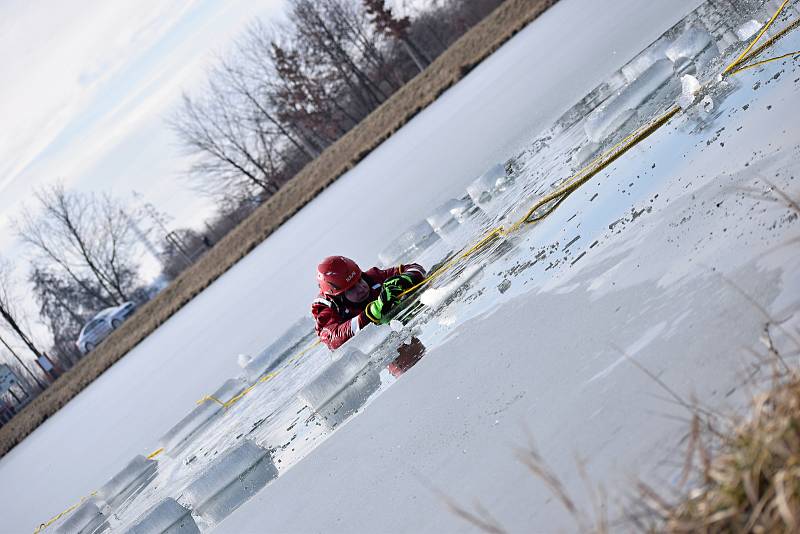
(338, 319)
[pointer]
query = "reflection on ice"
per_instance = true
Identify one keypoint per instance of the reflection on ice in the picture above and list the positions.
(167, 517)
(86, 519)
(232, 479)
(128, 482)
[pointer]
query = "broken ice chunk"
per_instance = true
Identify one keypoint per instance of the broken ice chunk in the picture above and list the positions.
(689, 44)
(129, 481)
(689, 88)
(435, 296)
(173, 441)
(613, 113)
(446, 218)
(333, 379)
(234, 477)
(366, 340)
(638, 65)
(483, 189)
(86, 519)
(409, 245)
(167, 517)
(708, 104)
(748, 29)
(350, 399)
(294, 339)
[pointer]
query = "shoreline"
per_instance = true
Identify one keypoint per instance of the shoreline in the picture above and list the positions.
(454, 64)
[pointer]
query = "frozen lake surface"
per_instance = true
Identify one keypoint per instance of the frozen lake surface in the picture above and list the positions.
(650, 260)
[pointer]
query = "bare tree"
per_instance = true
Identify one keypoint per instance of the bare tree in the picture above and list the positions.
(64, 307)
(286, 92)
(12, 321)
(386, 23)
(85, 237)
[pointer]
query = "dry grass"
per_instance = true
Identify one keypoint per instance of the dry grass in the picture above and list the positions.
(752, 482)
(450, 67)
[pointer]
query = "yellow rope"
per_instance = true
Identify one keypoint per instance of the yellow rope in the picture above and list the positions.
(763, 62)
(261, 380)
(772, 40)
(586, 173)
(743, 55)
(570, 185)
(62, 514)
(210, 398)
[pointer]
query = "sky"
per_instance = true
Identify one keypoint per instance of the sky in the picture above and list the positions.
(87, 87)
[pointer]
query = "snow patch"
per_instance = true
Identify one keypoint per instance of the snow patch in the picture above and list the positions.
(689, 88)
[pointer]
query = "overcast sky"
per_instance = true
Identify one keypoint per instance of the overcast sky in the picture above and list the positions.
(87, 85)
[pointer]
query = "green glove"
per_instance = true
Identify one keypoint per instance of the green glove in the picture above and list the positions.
(397, 284)
(378, 310)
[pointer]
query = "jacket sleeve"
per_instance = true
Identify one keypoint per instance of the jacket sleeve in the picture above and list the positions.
(331, 328)
(415, 270)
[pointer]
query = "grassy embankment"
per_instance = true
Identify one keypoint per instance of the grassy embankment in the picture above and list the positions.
(449, 68)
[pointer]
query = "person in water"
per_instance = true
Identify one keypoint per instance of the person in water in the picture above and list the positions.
(350, 299)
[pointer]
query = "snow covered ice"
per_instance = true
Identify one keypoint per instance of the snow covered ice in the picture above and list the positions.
(748, 29)
(689, 87)
(127, 482)
(233, 478)
(511, 377)
(167, 517)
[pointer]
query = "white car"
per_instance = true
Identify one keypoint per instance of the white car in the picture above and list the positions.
(102, 324)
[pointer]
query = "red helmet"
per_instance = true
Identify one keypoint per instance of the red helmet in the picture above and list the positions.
(337, 274)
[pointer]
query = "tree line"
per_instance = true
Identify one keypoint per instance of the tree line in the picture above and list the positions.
(282, 95)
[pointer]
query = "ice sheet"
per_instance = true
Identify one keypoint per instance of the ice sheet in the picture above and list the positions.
(86, 519)
(133, 476)
(230, 480)
(300, 333)
(333, 379)
(406, 247)
(167, 517)
(614, 113)
(689, 44)
(177, 436)
(485, 187)
(484, 119)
